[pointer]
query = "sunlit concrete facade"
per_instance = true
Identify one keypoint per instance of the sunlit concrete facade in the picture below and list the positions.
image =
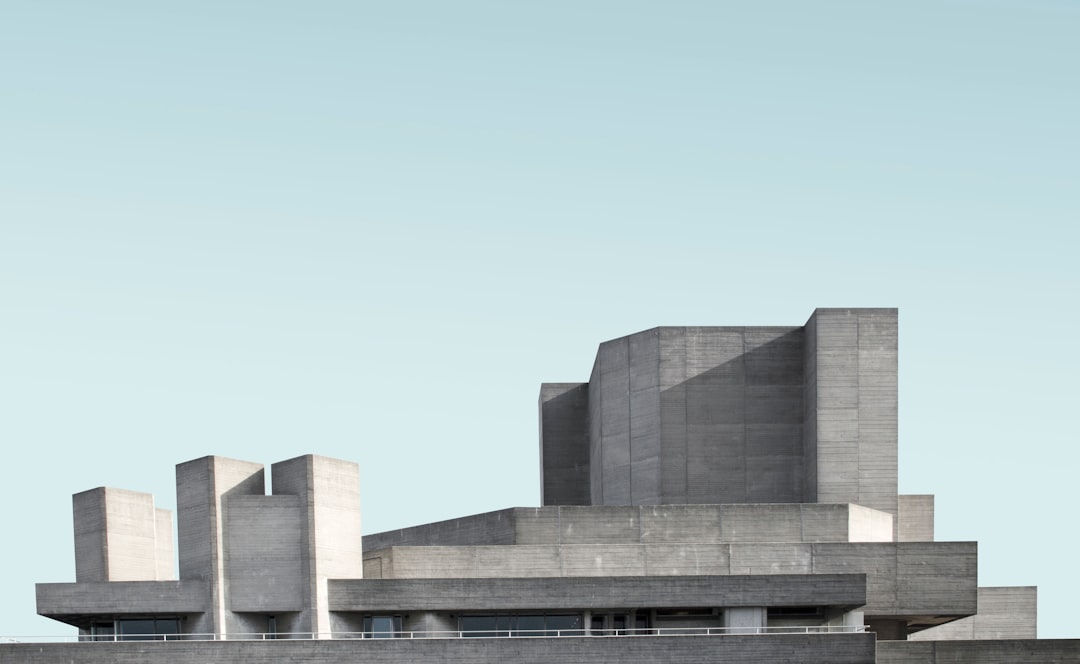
(710, 494)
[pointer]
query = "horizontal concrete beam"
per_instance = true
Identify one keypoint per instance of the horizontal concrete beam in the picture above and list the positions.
(72, 600)
(371, 595)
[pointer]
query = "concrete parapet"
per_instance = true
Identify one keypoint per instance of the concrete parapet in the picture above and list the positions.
(854, 648)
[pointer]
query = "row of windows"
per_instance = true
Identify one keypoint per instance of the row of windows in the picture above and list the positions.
(138, 629)
(512, 624)
(522, 625)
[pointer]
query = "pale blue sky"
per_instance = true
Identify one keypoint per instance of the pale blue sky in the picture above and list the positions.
(371, 230)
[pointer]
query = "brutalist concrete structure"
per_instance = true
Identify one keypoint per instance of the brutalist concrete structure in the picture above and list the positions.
(710, 494)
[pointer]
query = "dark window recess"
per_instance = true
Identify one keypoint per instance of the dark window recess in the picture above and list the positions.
(382, 627)
(521, 625)
(794, 611)
(136, 629)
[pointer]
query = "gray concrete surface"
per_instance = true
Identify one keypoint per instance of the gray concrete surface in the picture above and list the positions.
(645, 524)
(564, 444)
(776, 649)
(700, 415)
(1034, 651)
(120, 536)
(915, 521)
(74, 603)
(1004, 613)
(910, 580)
(845, 591)
(851, 407)
(202, 486)
(331, 543)
(263, 547)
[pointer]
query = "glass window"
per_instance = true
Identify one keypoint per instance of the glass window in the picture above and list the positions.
(136, 630)
(382, 627)
(480, 626)
(568, 625)
(521, 625)
(103, 631)
(597, 624)
(530, 626)
(166, 628)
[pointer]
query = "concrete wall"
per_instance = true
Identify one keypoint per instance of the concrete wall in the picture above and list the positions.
(916, 518)
(1004, 613)
(564, 444)
(702, 415)
(776, 649)
(117, 539)
(698, 415)
(869, 525)
(851, 407)
(1043, 651)
(263, 553)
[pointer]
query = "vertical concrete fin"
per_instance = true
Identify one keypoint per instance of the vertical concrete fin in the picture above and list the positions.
(165, 556)
(850, 434)
(88, 512)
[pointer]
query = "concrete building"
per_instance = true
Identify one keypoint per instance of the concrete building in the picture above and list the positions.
(710, 494)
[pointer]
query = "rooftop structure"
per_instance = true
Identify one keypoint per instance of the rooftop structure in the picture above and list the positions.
(712, 493)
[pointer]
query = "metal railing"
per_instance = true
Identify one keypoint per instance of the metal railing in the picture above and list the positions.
(446, 634)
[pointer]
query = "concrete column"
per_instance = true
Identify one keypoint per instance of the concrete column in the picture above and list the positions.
(202, 486)
(329, 492)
